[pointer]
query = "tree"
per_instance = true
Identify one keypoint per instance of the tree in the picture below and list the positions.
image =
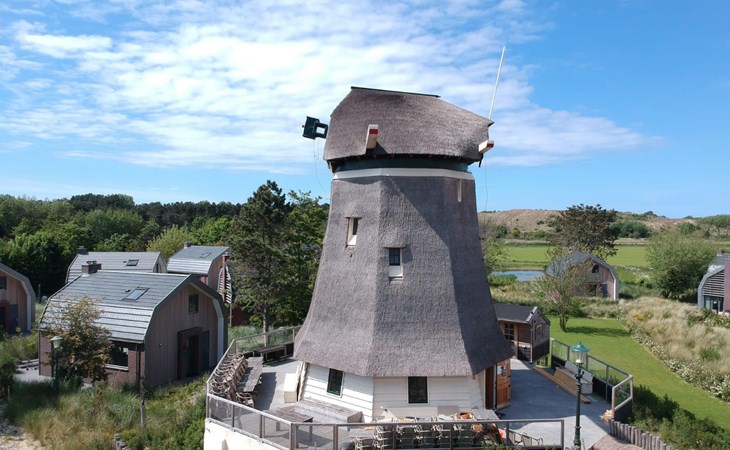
(170, 241)
(494, 251)
(585, 228)
(85, 348)
(561, 284)
(306, 224)
(678, 261)
(258, 239)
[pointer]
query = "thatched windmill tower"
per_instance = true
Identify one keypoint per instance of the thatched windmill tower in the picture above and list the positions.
(401, 316)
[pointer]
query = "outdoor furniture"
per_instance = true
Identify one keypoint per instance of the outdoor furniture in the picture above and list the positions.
(290, 414)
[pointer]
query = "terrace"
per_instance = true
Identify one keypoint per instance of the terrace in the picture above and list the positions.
(540, 414)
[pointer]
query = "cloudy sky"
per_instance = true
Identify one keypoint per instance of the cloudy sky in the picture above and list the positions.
(622, 103)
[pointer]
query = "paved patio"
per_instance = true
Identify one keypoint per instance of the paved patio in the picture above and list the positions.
(533, 397)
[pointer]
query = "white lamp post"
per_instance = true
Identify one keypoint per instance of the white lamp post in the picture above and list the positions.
(55, 348)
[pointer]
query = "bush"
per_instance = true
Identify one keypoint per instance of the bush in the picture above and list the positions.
(502, 280)
(631, 229)
(676, 426)
(7, 373)
(21, 347)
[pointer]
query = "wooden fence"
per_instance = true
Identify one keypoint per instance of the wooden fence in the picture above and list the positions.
(637, 437)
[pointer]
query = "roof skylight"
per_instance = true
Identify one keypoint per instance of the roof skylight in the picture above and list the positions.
(136, 294)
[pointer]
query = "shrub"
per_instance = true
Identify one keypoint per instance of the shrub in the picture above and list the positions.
(7, 373)
(502, 280)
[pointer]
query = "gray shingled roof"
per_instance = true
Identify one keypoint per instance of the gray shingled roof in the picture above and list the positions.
(195, 259)
(718, 261)
(127, 320)
(116, 261)
(574, 258)
(408, 124)
(517, 313)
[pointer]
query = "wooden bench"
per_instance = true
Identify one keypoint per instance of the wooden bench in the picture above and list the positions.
(563, 381)
(252, 376)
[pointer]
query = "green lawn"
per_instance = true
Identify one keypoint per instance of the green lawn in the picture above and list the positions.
(534, 256)
(610, 342)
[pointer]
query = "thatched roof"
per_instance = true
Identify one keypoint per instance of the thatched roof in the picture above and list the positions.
(408, 124)
(438, 320)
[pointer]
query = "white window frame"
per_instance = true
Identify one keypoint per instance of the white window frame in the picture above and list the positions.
(395, 270)
(352, 229)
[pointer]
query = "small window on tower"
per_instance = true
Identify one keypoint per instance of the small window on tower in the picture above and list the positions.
(352, 224)
(458, 191)
(395, 268)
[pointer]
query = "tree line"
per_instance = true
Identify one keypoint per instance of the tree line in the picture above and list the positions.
(275, 240)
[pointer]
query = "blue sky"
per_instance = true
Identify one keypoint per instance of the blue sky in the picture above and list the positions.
(622, 103)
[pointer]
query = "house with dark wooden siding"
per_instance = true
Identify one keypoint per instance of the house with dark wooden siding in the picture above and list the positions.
(714, 289)
(17, 301)
(526, 328)
(601, 278)
(164, 327)
(207, 262)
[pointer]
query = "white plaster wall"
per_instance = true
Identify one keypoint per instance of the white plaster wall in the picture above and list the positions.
(218, 437)
(445, 395)
(357, 391)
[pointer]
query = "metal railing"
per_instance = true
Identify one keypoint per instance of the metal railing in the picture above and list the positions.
(282, 434)
(617, 385)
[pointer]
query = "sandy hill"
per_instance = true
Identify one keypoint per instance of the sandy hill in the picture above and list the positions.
(530, 220)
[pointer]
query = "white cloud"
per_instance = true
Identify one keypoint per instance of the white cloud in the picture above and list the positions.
(223, 85)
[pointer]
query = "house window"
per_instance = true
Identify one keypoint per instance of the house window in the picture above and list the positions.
(193, 304)
(395, 269)
(119, 355)
(595, 268)
(509, 331)
(334, 382)
(352, 230)
(132, 262)
(3, 282)
(417, 390)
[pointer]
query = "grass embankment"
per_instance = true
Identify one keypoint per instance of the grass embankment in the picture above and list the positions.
(610, 342)
(89, 418)
(534, 256)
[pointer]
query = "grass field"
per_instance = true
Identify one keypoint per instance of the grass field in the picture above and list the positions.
(610, 342)
(534, 256)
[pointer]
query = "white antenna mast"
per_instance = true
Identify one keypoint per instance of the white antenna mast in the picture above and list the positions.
(496, 85)
(485, 146)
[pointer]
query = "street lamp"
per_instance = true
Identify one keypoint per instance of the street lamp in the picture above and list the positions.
(56, 347)
(581, 353)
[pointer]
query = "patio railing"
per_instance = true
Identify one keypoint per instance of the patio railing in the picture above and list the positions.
(612, 383)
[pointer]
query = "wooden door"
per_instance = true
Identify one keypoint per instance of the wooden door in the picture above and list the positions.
(504, 390)
(489, 388)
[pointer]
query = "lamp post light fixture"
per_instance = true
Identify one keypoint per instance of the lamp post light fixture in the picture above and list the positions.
(581, 355)
(55, 348)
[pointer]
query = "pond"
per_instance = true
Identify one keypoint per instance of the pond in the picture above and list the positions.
(522, 275)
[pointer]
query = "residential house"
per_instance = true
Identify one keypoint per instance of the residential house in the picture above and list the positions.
(526, 328)
(150, 262)
(208, 262)
(164, 327)
(714, 289)
(601, 279)
(17, 301)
